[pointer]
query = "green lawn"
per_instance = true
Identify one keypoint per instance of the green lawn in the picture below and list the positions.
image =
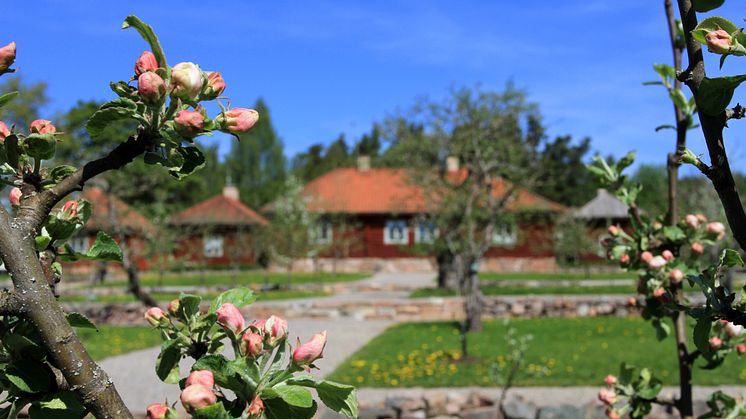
(168, 296)
(522, 290)
(559, 276)
(116, 340)
(242, 278)
(578, 351)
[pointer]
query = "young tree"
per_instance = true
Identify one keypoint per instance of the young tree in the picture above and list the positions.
(495, 138)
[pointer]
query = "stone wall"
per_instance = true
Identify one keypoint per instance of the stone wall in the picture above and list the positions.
(418, 264)
(421, 309)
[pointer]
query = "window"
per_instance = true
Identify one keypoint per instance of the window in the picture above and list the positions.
(425, 231)
(323, 233)
(79, 243)
(213, 246)
(505, 235)
(396, 232)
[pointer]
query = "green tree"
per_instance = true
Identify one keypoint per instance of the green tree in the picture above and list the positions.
(564, 177)
(256, 163)
(653, 179)
(25, 108)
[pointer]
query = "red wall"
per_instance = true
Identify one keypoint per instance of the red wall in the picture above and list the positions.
(237, 249)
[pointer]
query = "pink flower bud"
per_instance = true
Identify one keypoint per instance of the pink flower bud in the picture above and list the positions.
(42, 126)
(173, 307)
(607, 396)
(157, 411)
(145, 63)
(201, 377)
(237, 120)
(624, 259)
(214, 87)
(646, 256)
(715, 342)
(252, 344)
(275, 330)
(612, 414)
(733, 330)
(258, 326)
(675, 276)
(657, 262)
(698, 248)
(7, 56)
(189, 124)
(741, 349)
(255, 409)
(691, 221)
(152, 88)
(305, 354)
(230, 318)
(667, 255)
(186, 79)
(15, 197)
(197, 396)
(631, 301)
(701, 218)
(4, 131)
(659, 293)
(155, 316)
(69, 210)
(715, 228)
(719, 41)
(610, 380)
(613, 230)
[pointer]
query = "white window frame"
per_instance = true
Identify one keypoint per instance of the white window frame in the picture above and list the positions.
(388, 229)
(425, 232)
(323, 233)
(213, 245)
(79, 243)
(505, 235)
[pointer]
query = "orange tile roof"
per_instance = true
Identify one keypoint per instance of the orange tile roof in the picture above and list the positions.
(127, 217)
(377, 191)
(218, 210)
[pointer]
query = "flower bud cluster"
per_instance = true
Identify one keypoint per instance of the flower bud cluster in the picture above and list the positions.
(608, 396)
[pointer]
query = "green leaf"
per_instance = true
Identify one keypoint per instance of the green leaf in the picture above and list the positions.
(62, 405)
(103, 117)
(340, 398)
(239, 297)
(702, 335)
(679, 99)
(293, 395)
(625, 162)
(40, 146)
(21, 347)
(662, 127)
(13, 150)
(674, 233)
(714, 23)
(189, 304)
(167, 364)
(662, 329)
(215, 411)
(79, 320)
(42, 242)
(104, 248)
(240, 375)
(146, 31)
(122, 89)
(4, 99)
(702, 6)
(30, 376)
(59, 173)
(191, 160)
(714, 95)
(730, 258)
(277, 408)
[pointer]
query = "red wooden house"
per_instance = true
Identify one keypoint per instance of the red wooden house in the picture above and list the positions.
(390, 222)
(217, 231)
(120, 221)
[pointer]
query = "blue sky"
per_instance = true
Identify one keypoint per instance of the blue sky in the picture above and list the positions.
(330, 67)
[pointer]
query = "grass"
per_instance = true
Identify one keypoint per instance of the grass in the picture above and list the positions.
(242, 278)
(168, 296)
(521, 290)
(579, 351)
(116, 340)
(558, 276)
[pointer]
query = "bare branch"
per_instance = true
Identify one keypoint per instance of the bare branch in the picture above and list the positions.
(738, 112)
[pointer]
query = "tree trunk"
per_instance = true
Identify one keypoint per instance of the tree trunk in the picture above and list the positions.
(448, 275)
(472, 301)
(133, 277)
